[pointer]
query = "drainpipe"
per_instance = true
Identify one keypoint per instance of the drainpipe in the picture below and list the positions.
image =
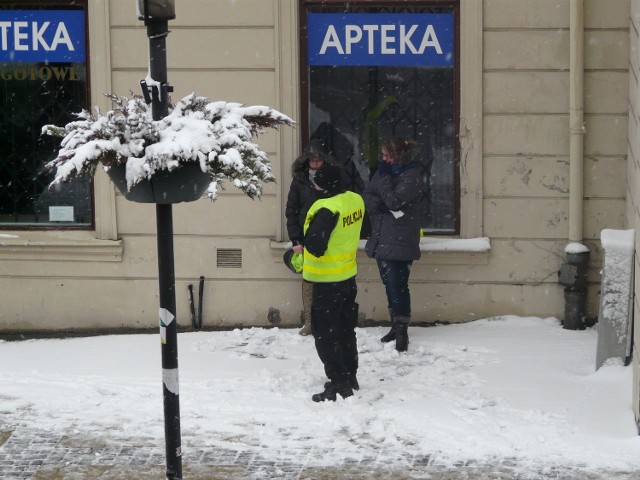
(573, 274)
(576, 118)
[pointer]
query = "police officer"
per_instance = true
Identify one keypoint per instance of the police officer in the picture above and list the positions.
(302, 194)
(331, 238)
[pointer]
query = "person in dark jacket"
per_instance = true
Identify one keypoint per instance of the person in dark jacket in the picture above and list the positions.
(393, 198)
(302, 194)
(332, 235)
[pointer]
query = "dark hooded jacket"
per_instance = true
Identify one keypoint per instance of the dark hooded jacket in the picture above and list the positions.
(302, 193)
(400, 189)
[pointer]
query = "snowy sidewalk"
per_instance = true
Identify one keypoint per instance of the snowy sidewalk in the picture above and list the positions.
(508, 398)
(28, 453)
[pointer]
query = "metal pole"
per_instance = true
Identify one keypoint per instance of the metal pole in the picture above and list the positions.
(169, 338)
(157, 32)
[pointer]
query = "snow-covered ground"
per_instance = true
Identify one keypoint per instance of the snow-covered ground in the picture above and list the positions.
(510, 387)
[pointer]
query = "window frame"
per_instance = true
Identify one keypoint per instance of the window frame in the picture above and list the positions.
(61, 244)
(43, 5)
(455, 7)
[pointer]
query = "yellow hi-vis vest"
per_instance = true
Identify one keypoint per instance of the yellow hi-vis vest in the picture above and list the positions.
(339, 261)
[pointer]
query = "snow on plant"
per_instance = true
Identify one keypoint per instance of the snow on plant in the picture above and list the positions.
(216, 135)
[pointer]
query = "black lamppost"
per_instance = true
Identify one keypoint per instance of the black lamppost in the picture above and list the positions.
(156, 15)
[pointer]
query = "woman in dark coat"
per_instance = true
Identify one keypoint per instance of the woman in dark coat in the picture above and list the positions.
(393, 199)
(302, 194)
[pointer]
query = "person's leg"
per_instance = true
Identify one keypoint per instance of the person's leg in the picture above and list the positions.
(398, 279)
(348, 324)
(383, 267)
(325, 325)
(307, 299)
(328, 303)
(395, 276)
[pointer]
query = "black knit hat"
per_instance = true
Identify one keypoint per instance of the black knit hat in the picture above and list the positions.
(329, 178)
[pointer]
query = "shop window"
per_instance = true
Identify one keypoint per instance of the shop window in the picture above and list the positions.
(43, 79)
(371, 70)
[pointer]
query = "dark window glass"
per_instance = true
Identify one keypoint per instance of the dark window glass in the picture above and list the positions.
(32, 94)
(352, 109)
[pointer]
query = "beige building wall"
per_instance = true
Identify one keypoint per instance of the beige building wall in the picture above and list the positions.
(526, 124)
(514, 129)
(632, 187)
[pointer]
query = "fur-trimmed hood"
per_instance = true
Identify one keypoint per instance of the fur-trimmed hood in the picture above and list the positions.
(300, 167)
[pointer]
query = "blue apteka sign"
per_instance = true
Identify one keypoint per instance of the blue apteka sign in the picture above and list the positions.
(53, 36)
(381, 39)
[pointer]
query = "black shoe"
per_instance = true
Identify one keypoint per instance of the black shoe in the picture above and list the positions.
(330, 392)
(390, 336)
(353, 382)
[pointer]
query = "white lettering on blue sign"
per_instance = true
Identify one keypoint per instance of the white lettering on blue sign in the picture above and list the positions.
(387, 42)
(30, 36)
(381, 39)
(54, 36)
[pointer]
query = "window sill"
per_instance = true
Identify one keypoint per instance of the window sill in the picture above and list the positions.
(58, 246)
(442, 251)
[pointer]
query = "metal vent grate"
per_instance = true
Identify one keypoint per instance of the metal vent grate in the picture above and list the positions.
(229, 258)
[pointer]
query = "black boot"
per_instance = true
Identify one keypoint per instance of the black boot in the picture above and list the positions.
(402, 334)
(391, 334)
(353, 382)
(331, 391)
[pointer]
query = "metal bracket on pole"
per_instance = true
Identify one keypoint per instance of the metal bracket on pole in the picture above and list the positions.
(145, 91)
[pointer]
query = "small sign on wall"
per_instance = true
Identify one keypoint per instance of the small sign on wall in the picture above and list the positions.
(61, 214)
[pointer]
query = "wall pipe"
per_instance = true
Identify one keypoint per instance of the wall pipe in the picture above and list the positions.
(573, 274)
(576, 119)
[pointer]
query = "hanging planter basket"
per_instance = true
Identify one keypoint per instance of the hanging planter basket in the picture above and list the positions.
(167, 156)
(184, 184)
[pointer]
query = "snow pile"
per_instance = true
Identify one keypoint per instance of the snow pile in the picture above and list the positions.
(216, 135)
(434, 244)
(575, 248)
(617, 279)
(522, 389)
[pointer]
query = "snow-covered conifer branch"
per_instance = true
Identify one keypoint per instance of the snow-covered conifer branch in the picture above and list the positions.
(216, 135)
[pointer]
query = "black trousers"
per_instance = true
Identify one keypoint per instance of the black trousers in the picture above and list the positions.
(395, 277)
(334, 317)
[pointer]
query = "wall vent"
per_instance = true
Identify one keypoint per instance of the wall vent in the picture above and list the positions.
(229, 258)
